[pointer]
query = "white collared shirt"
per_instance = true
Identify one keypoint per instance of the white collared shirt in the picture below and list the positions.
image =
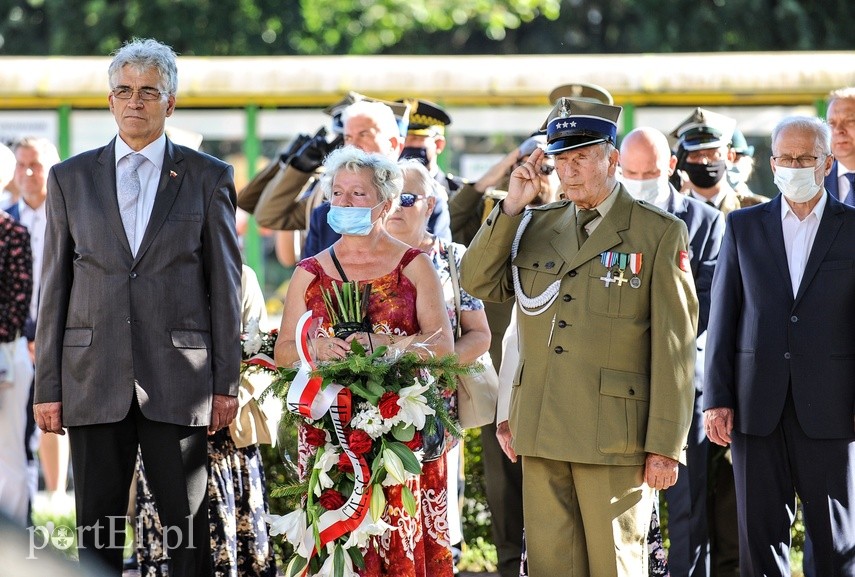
(843, 186)
(149, 173)
(603, 208)
(716, 200)
(799, 236)
(35, 220)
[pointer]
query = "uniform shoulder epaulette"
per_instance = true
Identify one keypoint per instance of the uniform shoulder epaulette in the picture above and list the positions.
(655, 209)
(455, 182)
(551, 205)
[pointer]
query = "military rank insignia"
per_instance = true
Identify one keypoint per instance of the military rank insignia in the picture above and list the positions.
(617, 263)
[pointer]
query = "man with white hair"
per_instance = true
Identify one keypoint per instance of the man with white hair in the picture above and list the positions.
(370, 126)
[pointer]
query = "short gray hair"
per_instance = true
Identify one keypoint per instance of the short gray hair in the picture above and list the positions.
(822, 133)
(847, 93)
(48, 154)
(380, 113)
(387, 177)
(427, 184)
(146, 53)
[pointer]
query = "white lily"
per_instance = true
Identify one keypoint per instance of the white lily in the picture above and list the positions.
(328, 568)
(324, 463)
(253, 337)
(394, 466)
(293, 526)
(368, 528)
(414, 407)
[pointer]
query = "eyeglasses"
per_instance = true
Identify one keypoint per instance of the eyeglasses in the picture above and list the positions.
(126, 93)
(804, 161)
(408, 199)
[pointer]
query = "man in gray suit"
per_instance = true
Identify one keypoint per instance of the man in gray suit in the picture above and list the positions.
(139, 315)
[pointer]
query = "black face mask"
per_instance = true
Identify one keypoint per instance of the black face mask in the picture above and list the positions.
(705, 175)
(415, 152)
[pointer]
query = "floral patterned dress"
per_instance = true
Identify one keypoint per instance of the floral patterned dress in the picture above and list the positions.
(418, 546)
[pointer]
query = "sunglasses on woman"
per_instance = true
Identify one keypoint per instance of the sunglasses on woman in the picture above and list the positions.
(408, 199)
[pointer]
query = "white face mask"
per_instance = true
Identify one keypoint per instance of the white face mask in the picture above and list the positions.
(649, 190)
(796, 184)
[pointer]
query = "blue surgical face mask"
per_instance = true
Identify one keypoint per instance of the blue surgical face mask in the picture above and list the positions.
(351, 220)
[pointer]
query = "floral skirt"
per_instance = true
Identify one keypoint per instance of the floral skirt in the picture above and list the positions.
(237, 501)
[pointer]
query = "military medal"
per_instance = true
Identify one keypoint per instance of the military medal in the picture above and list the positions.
(608, 258)
(622, 259)
(635, 267)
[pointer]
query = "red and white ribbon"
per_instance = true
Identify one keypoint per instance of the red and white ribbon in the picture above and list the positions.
(306, 397)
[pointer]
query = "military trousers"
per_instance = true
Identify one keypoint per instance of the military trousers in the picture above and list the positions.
(585, 520)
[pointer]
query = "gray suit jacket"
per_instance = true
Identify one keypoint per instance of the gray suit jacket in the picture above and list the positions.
(166, 321)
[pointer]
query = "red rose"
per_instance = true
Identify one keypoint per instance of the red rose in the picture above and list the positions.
(359, 441)
(331, 499)
(415, 443)
(389, 405)
(315, 437)
(344, 464)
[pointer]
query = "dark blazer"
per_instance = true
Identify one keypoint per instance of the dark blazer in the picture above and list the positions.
(167, 319)
(762, 337)
(706, 229)
(831, 184)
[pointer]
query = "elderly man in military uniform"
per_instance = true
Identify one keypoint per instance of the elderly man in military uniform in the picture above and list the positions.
(704, 155)
(603, 393)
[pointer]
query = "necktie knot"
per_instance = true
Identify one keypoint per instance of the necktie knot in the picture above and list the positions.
(135, 159)
(583, 218)
(850, 176)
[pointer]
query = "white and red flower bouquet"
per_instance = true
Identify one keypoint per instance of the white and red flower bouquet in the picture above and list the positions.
(371, 419)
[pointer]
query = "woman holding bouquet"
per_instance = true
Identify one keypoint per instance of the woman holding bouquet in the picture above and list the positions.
(405, 300)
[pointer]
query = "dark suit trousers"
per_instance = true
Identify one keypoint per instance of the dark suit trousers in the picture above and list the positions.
(175, 458)
(769, 471)
(688, 527)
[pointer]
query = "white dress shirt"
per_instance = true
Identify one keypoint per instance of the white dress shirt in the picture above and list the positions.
(798, 238)
(35, 220)
(843, 186)
(149, 173)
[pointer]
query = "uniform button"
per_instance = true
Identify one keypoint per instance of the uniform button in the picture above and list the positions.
(572, 273)
(133, 275)
(561, 324)
(567, 298)
(550, 264)
(559, 350)
(794, 318)
(535, 265)
(786, 355)
(632, 392)
(489, 222)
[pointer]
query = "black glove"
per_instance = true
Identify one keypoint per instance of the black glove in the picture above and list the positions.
(293, 147)
(312, 154)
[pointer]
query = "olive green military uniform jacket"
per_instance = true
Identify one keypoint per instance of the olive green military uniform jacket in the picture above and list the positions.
(605, 373)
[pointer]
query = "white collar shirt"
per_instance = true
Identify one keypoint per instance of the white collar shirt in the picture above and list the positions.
(799, 236)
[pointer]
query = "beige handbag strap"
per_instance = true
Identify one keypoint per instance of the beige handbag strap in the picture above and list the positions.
(455, 284)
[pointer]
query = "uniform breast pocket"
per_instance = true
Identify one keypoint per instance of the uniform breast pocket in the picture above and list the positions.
(610, 292)
(538, 270)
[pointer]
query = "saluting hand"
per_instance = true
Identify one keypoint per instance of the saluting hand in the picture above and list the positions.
(525, 184)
